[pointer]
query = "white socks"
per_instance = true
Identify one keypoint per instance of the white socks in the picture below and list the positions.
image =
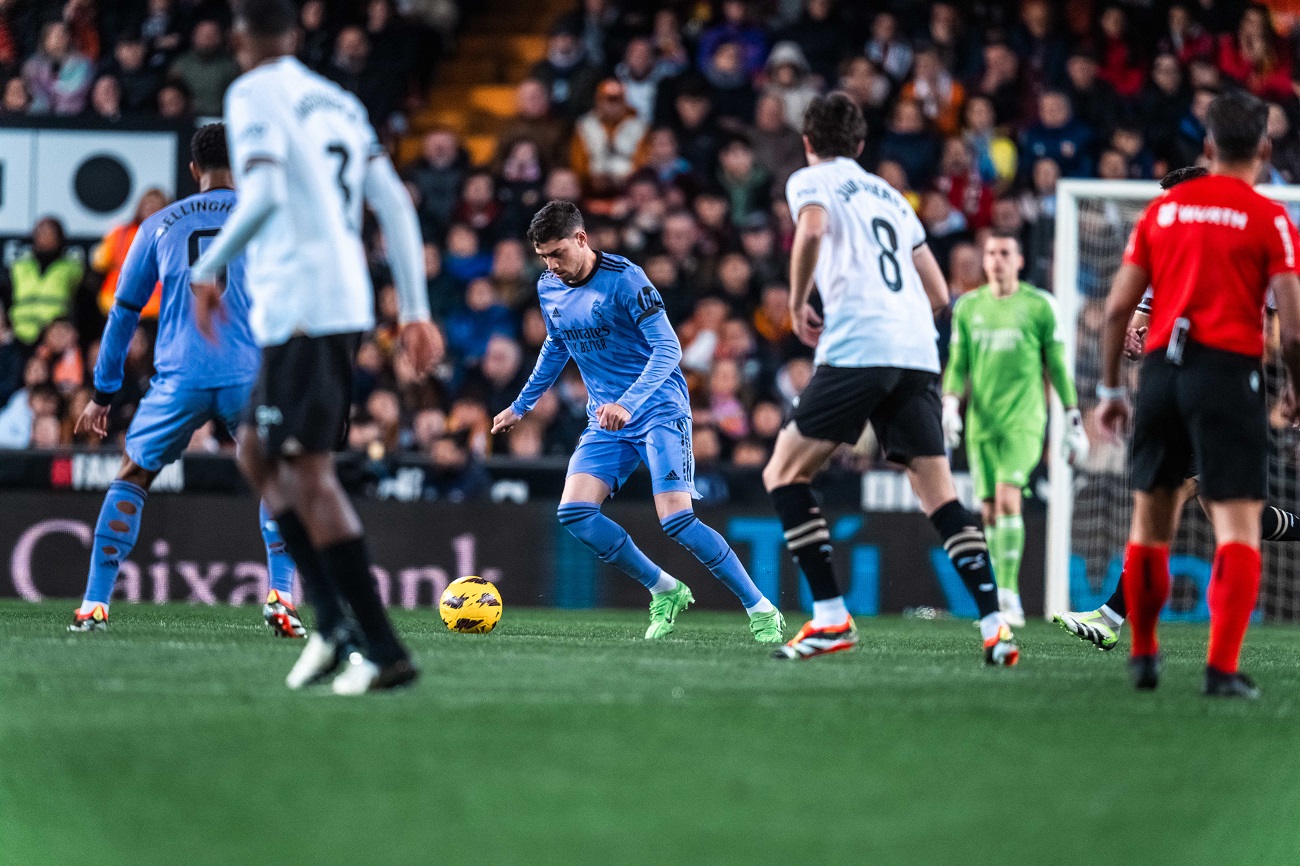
(1112, 619)
(829, 612)
(990, 625)
(762, 606)
(665, 583)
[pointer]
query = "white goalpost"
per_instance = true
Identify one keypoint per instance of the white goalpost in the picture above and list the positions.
(1089, 508)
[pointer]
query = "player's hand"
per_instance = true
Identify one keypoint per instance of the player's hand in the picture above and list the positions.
(807, 325)
(422, 345)
(1289, 406)
(612, 416)
(504, 421)
(94, 418)
(952, 425)
(208, 308)
(1075, 443)
(1113, 417)
(1135, 342)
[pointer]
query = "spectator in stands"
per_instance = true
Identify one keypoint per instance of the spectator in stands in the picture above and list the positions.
(909, 142)
(961, 182)
(1161, 106)
(1121, 64)
(772, 323)
(735, 283)
(1111, 165)
(1190, 141)
(13, 358)
(1127, 139)
(965, 270)
(438, 175)
(934, 89)
(777, 147)
(478, 207)
(10, 45)
(996, 157)
(465, 258)
(1092, 97)
(958, 46)
(1254, 57)
(1001, 83)
(790, 80)
(482, 317)
(893, 174)
(748, 185)
(1184, 36)
(139, 82)
(315, 41)
(497, 379)
(1038, 208)
(822, 35)
(455, 475)
(945, 225)
(511, 275)
(58, 77)
(377, 85)
(1058, 136)
(735, 28)
(109, 254)
(105, 100)
(42, 283)
(163, 33)
(1042, 50)
(731, 83)
(533, 122)
(174, 101)
(569, 78)
(696, 127)
(562, 185)
(662, 159)
(641, 73)
(444, 290)
(520, 188)
(35, 397)
(887, 49)
(392, 44)
(207, 69)
(706, 449)
(608, 142)
(1286, 145)
(16, 99)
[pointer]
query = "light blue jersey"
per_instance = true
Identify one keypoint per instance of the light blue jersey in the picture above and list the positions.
(195, 380)
(165, 247)
(614, 327)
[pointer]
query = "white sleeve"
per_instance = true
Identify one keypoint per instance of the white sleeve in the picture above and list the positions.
(801, 190)
(392, 205)
(252, 131)
(912, 226)
(262, 191)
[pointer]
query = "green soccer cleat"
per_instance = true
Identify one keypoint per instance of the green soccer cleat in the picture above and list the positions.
(1091, 627)
(768, 627)
(664, 607)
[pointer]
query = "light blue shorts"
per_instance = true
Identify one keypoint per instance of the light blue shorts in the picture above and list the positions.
(665, 449)
(169, 414)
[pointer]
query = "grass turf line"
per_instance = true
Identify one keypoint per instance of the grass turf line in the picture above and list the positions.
(565, 738)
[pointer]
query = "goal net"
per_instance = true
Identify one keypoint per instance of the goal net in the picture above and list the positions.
(1090, 508)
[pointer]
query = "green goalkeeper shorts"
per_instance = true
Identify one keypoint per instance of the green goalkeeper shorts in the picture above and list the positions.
(1005, 459)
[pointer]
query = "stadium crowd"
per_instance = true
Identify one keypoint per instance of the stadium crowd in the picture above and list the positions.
(675, 125)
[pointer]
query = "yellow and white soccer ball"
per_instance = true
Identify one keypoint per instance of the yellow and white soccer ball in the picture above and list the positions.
(470, 605)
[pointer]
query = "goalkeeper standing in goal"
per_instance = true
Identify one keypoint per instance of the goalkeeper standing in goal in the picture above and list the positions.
(1005, 335)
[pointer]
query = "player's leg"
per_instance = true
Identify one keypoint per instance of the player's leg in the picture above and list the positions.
(1016, 457)
(668, 454)
(1234, 591)
(1146, 587)
(163, 424)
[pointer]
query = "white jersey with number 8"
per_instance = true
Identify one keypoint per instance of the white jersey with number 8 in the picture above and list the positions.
(307, 269)
(875, 308)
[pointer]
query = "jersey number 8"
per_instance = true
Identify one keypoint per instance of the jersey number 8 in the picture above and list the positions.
(890, 270)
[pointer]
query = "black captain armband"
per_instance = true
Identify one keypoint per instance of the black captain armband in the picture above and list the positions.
(103, 398)
(650, 302)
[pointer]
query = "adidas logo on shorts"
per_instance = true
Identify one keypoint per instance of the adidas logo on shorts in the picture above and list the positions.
(672, 476)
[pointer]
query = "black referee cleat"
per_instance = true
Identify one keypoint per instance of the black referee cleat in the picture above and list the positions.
(1144, 672)
(1221, 685)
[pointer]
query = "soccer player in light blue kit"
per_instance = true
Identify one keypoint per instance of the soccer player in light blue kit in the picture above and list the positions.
(602, 311)
(195, 381)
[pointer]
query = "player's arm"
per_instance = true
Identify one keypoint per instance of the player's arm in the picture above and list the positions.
(955, 377)
(550, 363)
(388, 198)
(809, 229)
(932, 279)
(1126, 291)
(135, 284)
(1135, 339)
(647, 309)
(1286, 295)
(1075, 441)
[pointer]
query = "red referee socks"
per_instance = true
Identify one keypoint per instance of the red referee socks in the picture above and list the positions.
(1146, 586)
(1234, 588)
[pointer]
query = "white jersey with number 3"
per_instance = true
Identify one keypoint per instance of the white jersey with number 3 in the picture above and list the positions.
(876, 310)
(307, 269)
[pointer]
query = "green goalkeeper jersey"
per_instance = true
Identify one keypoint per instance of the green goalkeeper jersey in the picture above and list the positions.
(1002, 347)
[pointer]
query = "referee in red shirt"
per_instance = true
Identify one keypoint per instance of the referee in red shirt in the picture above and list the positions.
(1211, 249)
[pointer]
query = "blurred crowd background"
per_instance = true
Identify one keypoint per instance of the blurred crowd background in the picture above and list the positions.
(675, 125)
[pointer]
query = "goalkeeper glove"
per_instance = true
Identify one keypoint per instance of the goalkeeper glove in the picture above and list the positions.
(951, 421)
(1075, 442)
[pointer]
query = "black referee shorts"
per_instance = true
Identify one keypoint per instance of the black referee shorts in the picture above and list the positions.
(1207, 416)
(902, 406)
(303, 395)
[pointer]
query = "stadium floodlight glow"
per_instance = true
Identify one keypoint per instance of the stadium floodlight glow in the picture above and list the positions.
(1089, 508)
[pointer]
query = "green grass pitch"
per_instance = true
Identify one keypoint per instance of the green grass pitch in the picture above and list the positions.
(564, 738)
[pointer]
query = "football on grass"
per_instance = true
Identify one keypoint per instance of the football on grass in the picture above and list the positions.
(470, 605)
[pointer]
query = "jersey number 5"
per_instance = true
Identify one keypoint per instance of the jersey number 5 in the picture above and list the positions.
(890, 270)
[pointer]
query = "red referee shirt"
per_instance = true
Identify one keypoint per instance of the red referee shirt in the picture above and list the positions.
(1210, 247)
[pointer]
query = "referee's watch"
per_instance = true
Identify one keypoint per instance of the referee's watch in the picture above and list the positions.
(1119, 392)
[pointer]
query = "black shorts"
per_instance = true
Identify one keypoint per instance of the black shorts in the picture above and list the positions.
(303, 395)
(1212, 406)
(903, 407)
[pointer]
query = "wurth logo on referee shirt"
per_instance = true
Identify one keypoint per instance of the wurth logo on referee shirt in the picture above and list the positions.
(1172, 212)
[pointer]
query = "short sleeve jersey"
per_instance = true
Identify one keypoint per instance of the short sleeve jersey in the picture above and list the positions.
(876, 310)
(1210, 247)
(599, 323)
(306, 268)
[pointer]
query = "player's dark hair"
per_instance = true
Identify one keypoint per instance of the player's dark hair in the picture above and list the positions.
(1178, 175)
(1005, 234)
(208, 147)
(267, 19)
(556, 221)
(834, 125)
(1236, 122)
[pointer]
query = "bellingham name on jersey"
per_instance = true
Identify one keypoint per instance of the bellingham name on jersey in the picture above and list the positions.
(610, 324)
(166, 246)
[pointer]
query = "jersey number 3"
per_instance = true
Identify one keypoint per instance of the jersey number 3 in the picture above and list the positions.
(890, 270)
